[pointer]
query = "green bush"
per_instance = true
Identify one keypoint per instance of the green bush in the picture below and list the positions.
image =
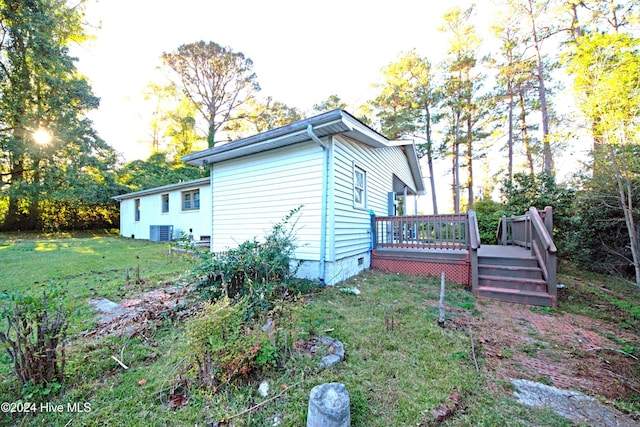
(260, 271)
(489, 213)
(541, 190)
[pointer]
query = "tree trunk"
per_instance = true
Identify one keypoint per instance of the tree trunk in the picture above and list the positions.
(456, 165)
(432, 182)
(546, 145)
(625, 198)
(211, 135)
(525, 134)
(470, 160)
(510, 131)
(432, 179)
(13, 221)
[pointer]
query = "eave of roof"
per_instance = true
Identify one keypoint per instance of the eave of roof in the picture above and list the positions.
(414, 165)
(331, 123)
(164, 189)
(335, 122)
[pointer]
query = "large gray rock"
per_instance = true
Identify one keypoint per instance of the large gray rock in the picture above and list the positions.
(329, 406)
(571, 404)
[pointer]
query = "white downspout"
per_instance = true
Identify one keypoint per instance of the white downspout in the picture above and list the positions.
(323, 211)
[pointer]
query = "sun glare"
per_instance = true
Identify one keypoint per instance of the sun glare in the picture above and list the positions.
(42, 137)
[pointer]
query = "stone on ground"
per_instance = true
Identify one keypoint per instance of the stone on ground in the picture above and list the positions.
(329, 406)
(570, 404)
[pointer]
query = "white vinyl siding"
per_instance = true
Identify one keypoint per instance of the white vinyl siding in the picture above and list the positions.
(254, 192)
(351, 225)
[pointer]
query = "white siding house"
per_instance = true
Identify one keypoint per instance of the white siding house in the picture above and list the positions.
(339, 170)
(185, 206)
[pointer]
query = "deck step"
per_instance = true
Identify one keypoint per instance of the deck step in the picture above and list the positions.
(527, 261)
(510, 271)
(515, 283)
(516, 296)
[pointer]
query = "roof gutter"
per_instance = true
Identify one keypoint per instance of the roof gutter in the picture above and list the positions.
(325, 197)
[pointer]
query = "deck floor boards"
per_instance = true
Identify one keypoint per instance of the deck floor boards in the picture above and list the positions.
(504, 251)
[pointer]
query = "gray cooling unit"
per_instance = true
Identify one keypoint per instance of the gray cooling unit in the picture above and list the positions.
(160, 233)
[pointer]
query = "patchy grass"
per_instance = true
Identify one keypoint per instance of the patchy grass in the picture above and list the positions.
(600, 297)
(400, 365)
(85, 265)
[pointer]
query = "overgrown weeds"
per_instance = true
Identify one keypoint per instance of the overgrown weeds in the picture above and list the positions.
(226, 348)
(260, 271)
(244, 329)
(35, 339)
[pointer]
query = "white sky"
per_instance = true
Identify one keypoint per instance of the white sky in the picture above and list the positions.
(302, 52)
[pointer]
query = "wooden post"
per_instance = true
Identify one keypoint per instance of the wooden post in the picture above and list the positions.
(548, 220)
(504, 231)
(441, 304)
(474, 271)
(552, 284)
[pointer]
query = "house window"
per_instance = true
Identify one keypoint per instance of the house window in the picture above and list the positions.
(359, 188)
(165, 203)
(136, 207)
(191, 200)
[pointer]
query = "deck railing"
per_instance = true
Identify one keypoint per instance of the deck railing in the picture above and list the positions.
(533, 230)
(422, 231)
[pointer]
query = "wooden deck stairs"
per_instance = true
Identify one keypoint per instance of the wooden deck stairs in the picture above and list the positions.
(511, 274)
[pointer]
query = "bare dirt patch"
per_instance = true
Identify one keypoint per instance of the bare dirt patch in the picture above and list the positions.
(564, 350)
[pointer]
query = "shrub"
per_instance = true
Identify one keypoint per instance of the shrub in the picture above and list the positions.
(35, 337)
(259, 271)
(489, 213)
(541, 190)
(224, 348)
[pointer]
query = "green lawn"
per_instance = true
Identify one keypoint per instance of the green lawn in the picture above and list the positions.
(85, 266)
(394, 377)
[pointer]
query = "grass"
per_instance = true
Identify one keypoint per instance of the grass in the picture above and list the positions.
(85, 265)
(394, 377)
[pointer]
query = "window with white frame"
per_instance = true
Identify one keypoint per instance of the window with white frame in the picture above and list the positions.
(190, 200)
(165, 203)
(359, 188)
(136, 207)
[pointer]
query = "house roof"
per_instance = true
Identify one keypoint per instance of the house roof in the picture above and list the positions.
(164, 189)
(336, 122)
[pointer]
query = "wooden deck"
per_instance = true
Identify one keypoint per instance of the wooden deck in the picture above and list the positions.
(521, 269)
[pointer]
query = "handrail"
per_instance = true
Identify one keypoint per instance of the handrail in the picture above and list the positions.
(536, 221)
(534, 231)
(448, 231)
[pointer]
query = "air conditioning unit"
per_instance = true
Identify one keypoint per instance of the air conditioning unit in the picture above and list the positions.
(160, 233)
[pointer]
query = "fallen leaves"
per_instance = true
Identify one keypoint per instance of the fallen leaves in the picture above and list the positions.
(446, 410)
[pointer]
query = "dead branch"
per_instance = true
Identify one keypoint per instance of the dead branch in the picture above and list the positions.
(226, 420)
(473, 349)
(119, 362)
